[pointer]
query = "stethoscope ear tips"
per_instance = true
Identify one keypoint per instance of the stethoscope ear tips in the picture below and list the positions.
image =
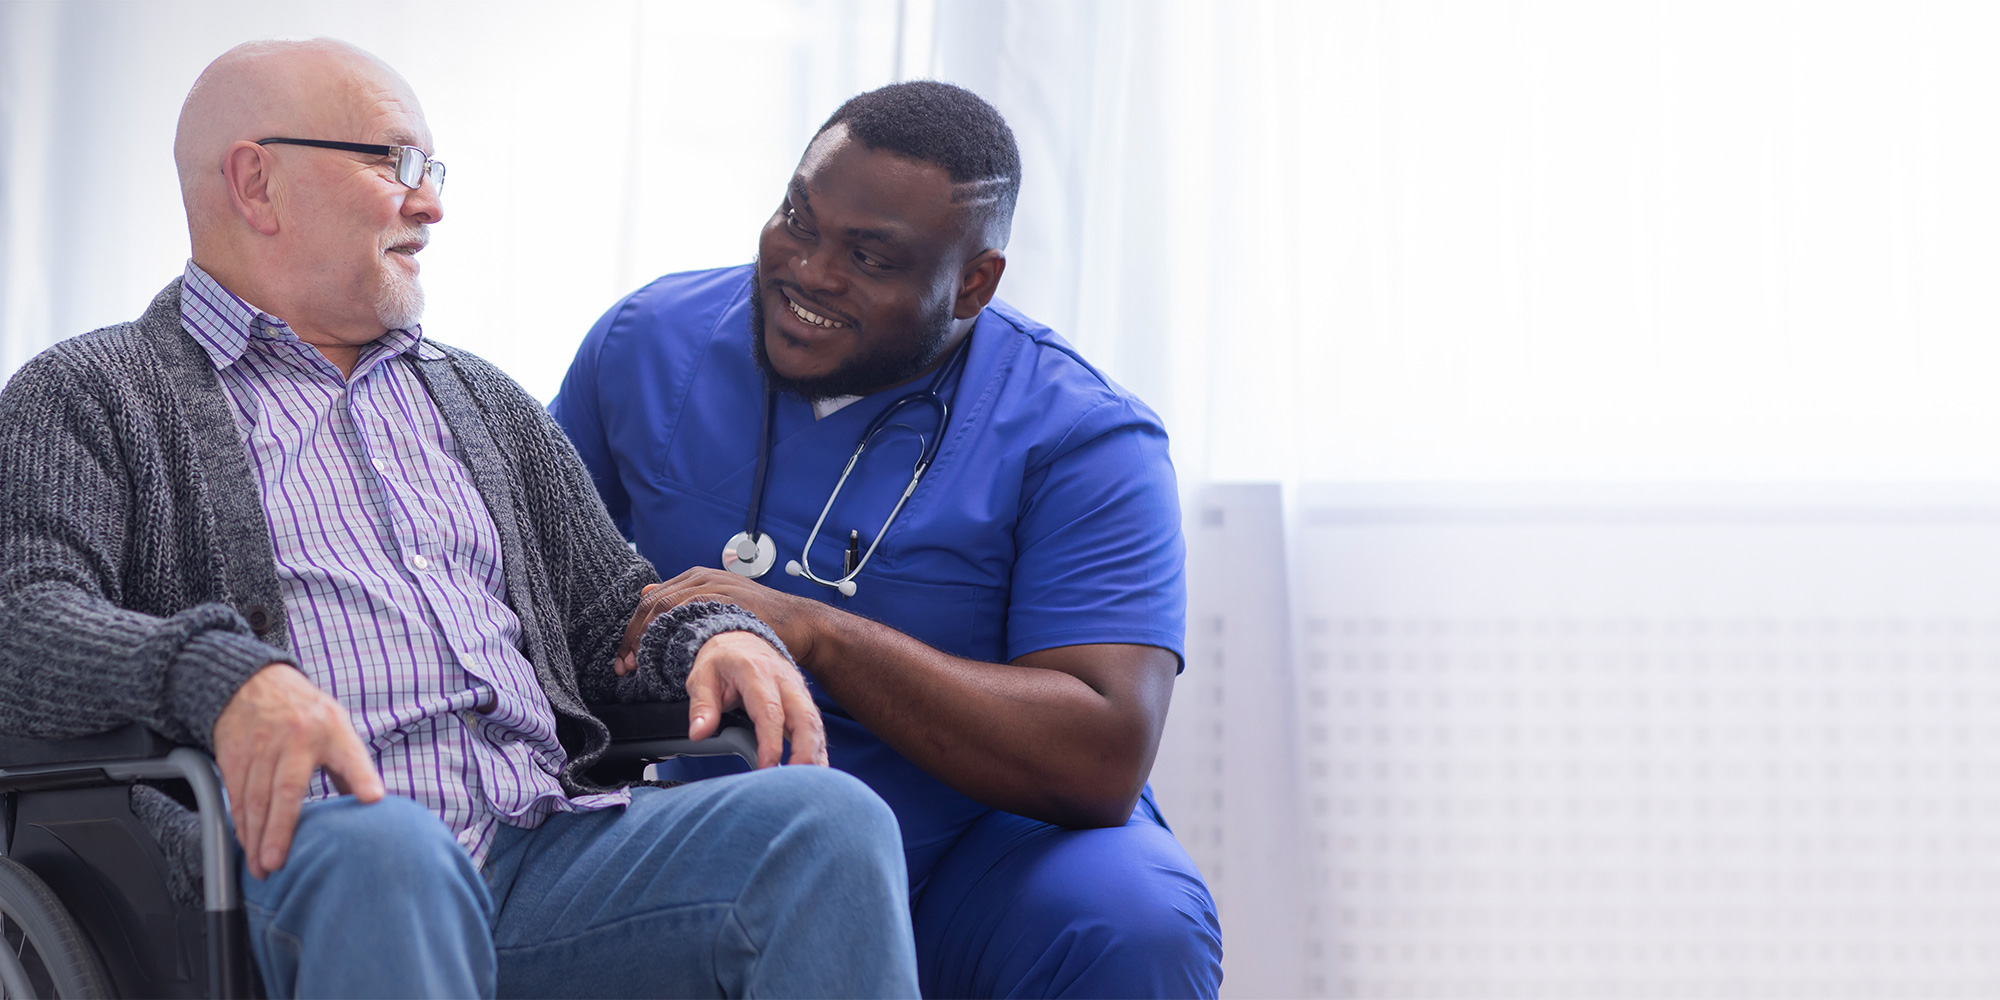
(847, 588)
(794, 568)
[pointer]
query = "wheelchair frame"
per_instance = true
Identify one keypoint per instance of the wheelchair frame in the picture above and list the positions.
(641, 734)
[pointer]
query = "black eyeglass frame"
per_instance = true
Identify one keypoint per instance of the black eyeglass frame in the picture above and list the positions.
(412, 164)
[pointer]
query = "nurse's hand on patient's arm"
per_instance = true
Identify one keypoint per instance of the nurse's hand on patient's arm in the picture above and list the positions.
(277, 729)
(795, 619)
(739, 668)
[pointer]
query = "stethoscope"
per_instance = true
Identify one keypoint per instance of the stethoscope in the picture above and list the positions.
(752, 553)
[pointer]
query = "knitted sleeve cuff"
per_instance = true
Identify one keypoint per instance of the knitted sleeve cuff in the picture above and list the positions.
(210, 667)
(666, 652)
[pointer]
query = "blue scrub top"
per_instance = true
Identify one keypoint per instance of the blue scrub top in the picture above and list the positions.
(1049, 518)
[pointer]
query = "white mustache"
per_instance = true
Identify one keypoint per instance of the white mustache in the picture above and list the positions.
(420, 237)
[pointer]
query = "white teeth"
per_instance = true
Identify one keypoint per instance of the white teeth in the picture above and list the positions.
(812, 317)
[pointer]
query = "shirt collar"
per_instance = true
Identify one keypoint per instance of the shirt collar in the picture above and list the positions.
(218, 320)
(223, 324)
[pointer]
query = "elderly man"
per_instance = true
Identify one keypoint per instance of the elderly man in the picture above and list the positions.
(994, 642)
(271, 513)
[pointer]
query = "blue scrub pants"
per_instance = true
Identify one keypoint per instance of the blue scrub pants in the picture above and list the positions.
(783, 882)
(1020, 908)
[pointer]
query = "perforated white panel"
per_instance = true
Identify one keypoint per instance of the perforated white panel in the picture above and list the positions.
(1226, 775)
(1587, 743)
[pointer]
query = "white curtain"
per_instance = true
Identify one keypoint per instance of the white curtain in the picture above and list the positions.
(1393, 273)
(591, 146)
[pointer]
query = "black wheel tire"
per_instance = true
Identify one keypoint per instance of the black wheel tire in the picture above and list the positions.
(45, 949)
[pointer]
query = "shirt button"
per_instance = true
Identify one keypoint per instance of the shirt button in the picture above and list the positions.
(418, 562)
(381, 467)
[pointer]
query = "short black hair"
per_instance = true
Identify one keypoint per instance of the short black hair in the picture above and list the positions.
(936, 122)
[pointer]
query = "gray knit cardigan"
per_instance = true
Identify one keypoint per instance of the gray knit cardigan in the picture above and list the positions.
(137, 580)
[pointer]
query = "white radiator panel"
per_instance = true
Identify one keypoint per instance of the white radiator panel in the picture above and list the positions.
(1226, 775)
(1579, 742)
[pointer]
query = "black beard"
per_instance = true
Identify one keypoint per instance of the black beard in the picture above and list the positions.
(888, 364)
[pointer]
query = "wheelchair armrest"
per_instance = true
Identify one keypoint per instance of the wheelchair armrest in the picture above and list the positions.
(129, 742)
(656, 720)
(647, 732)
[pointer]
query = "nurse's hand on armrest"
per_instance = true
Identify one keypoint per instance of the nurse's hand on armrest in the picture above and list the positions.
(277, 729)
(738, 668)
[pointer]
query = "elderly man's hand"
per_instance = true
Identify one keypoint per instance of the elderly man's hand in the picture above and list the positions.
(274, 733)
(739, 668)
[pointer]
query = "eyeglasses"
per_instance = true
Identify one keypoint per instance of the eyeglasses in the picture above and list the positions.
(412, 164)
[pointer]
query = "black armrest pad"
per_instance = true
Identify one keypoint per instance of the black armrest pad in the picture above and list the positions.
(131, 742)
(656, 720)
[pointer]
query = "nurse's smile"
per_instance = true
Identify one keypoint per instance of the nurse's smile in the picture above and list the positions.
(810, 317)
(797, 335)
(859, 271)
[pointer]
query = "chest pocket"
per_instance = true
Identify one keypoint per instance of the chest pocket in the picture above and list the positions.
(960, 619)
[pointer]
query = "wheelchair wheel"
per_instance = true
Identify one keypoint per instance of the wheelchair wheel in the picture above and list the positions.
(45, 953)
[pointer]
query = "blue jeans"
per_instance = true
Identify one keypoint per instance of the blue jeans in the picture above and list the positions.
(783, 882)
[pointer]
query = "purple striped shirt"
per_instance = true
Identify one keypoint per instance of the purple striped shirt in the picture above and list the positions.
(391, 569)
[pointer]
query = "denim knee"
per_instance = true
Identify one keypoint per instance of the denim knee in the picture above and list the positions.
(395, 846)
(838, 821)
(373, 900)
(834, 797)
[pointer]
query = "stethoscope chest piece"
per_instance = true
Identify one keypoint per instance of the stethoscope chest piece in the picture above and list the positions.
(747, 556)
(752, 553)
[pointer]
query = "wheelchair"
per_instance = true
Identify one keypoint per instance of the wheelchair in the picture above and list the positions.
(86, 904)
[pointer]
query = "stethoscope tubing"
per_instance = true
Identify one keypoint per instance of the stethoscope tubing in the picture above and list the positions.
(930, 397)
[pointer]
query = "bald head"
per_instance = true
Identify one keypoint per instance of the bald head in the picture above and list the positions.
(262, 89)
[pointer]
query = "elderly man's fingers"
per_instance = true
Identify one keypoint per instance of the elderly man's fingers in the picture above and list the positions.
(251, 804)
(753, 670)
(766, 709)
(802, 722)
(288, 791)
(705, 696)
(352, 770)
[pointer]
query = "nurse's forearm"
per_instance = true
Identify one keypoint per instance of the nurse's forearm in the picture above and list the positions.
(1063, 735)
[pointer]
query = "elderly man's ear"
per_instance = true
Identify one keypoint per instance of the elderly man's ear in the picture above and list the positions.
(246, 172)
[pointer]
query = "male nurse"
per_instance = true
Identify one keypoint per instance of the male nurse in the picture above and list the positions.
(967, 535)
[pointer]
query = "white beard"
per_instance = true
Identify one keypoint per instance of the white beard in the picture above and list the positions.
(399, 303)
